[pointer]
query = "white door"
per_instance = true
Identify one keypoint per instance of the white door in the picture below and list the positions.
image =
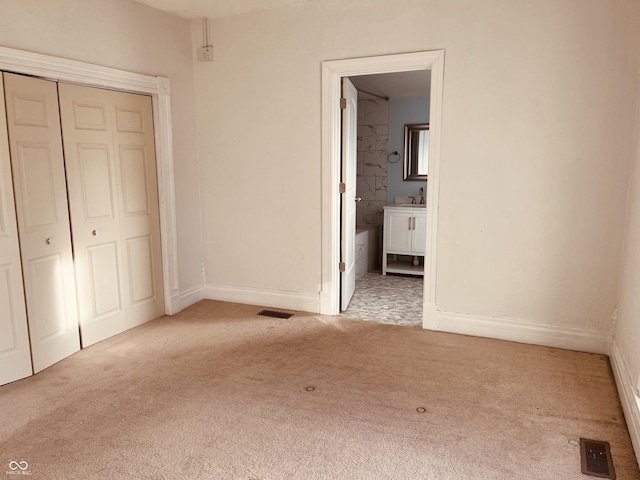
(134, 148)
(43, 218)
(15, 355)
(110, 155)
(349, 173)
(95, 213)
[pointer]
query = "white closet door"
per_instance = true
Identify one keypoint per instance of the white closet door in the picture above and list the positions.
(110, 155)
(95, 217)
(135, 154)
(15, 355)
(43, 218)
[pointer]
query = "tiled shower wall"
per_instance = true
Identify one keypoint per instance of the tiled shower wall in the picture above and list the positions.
(373, 140)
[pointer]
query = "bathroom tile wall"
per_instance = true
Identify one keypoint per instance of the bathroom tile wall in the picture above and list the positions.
(373, 140)
(367, 250)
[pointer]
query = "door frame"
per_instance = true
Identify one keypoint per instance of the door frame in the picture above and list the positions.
(332, 73)
(159, 88)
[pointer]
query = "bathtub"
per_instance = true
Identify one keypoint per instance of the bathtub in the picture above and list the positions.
(368, 241)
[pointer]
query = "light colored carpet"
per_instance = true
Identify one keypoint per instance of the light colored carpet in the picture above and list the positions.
(217, 392)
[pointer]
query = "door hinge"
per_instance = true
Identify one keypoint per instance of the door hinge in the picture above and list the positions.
(343, 103)
(342, 267)
(342, 187)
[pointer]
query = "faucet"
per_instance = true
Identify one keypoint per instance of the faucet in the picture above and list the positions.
(421, 196)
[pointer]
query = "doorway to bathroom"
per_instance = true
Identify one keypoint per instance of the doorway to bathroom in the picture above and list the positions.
(334, 236)
(385, 103)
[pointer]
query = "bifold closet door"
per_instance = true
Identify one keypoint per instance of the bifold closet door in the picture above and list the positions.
(15, 355)
(43, 218)
(91, 175)
(134, 147)
(111, 173)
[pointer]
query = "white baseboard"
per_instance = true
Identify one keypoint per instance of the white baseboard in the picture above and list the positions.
(571, 338)
(305, 302)
(628, 398)
(175, 303)
(181, 299)
(557, 336)
(191, 295)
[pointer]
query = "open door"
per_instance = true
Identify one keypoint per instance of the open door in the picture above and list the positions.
(348, 201)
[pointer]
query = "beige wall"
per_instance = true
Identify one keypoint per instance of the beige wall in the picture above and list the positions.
(625, 356)
(536, 137)
(627, 333)
(539, 102)
(128, 36)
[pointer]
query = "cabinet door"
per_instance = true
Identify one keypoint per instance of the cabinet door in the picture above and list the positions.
(43, 218)
(419, 240)
(398, 232)
(15, 355)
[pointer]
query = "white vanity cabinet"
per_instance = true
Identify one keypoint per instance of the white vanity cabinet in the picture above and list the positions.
(405, 231)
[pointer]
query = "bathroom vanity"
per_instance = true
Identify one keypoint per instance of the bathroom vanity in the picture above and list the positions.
(404, 241)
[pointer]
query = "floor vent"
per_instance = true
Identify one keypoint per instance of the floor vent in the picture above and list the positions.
(274, 314)
(596, 459)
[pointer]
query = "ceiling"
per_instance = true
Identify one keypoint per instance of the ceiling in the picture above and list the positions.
(218, 8)
(400, 84)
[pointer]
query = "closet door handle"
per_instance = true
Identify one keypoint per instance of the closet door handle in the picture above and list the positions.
(49, 241)
(95, 233)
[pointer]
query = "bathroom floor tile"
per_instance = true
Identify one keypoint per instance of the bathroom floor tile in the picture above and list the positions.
(394, 299)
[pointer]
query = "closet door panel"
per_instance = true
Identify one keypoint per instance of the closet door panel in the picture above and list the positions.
(7, 325)
(134, 180)
(104, 275)
(95, 165)
(136, 166)
(43, 218)
(95, 219)
(15, 353)
(140, 260)
(36, 165)
(47, 310)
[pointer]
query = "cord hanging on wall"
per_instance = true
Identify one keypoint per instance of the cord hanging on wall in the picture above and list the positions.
(205, 53)
(395, 155)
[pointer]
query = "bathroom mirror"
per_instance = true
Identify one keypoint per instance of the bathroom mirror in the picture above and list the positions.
(416, 151)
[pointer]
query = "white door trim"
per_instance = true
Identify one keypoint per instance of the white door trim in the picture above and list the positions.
(61, 69)
(332, 72)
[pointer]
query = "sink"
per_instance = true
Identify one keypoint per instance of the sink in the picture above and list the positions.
(414, 205)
